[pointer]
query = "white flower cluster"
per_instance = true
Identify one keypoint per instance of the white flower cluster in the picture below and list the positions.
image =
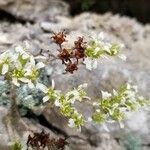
(116, 106)
(19, 66)
(65, 102)
(98, 47)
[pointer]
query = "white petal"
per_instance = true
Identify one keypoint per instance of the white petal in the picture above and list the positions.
(45, 99)
(115, 92)
(95, 104)
(32, 61)
(122, 45)
(110, 121)
(53, 84)
(19, 49)
(105, 95)
(15, 81)
(42, 87)
(123, 57)
(97, 110)
(89, 119)
(31, 85)
(107, 47)
(40, 65)
(28, 72)
(40, 57)
(84, 85)
(88, 63)
(3, 56)
(57, 103)
(25, 56)
(105, 127)
(5, 69)
(18, 65)
(94, 64)
(135, 88)
(128, 86)
(71, 123)
(96, 50)
(27, 45)
(25, 80)
(101, 36)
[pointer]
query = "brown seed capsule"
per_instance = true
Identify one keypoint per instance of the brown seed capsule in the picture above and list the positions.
(71, 67)
(59, 38)
(64, 55)
(70, 57)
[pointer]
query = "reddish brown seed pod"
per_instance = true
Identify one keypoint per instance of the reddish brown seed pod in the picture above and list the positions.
(71, 67)
(70, 56)
(59, 37)
(79, 44)
(64, 55)
(43, 140)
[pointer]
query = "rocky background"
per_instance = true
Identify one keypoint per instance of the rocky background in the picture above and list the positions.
(35, 20)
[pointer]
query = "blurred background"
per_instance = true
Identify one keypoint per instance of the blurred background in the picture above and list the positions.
(139, 9)
(125, 21)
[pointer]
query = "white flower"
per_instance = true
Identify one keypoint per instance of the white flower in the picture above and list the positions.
(15, 81)
(90, 63)
(45, 90)
(53, 84)
(32, 66)
(46, 98)
(89, 119)
(40, 65)
(122, 45)
(57, 103)
(141, 97)
(97, 110)
(115, 92)
(31, 85)
(40, 57)
(71, 123)
(131, 95)
(72, 96)
(42, 87)
(105, 95)
(19, 49)
(3, 57)
(95, 104)
(27, 45)
(107, 47)
(96, 50)
(5, 69)
(29, 82)
(135, 88)
(123, 57)
(101, 36)
(84, 85)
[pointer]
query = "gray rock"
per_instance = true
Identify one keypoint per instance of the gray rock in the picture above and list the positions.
(109, 75)
(34, 10)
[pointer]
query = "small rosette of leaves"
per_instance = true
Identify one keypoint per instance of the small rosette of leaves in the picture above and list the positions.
(115, 106)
